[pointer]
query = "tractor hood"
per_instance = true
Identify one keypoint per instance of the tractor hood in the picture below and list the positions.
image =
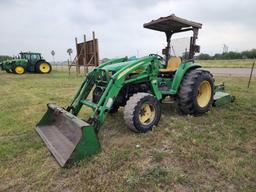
(19, 60)
(10, 64)
(13, 60)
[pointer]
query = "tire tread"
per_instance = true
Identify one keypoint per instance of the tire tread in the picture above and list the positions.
(185, 95)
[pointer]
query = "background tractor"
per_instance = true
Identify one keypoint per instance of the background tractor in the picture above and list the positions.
(26, 62)
(138, 85)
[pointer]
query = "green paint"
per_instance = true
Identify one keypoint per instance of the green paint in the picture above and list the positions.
(27, 60)
(181, 71)
(88, 145)
(222, 98)
(109, 78)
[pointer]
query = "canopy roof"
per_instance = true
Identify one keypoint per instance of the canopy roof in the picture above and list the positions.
(171, 23)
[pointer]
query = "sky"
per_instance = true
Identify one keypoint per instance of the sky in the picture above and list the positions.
(45, 25)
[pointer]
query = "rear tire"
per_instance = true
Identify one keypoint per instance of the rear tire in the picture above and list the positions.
(196, 91)
(43, 67)
(142, 112)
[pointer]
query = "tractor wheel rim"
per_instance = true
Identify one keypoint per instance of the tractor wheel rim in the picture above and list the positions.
(44, 68)
(147, 114)
(204, 93)
(19, 70)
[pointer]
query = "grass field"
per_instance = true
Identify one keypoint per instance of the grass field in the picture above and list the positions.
(238, 63)
(213, 152)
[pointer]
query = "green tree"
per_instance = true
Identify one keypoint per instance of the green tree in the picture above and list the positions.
(53, 53)
(70, 51)
(204, 56)
(4, 57)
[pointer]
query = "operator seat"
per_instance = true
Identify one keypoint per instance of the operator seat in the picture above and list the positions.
(172, 65)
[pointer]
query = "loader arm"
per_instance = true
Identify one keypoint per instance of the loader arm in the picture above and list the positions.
(87, 85)
(113, 84)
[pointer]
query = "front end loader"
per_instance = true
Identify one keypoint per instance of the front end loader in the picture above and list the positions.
(71, 139)
(139, 85)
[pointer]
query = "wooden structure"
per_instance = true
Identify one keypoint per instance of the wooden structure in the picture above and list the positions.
(87, 54)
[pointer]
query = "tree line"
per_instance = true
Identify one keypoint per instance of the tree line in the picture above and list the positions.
(251, 54)
(4, 57)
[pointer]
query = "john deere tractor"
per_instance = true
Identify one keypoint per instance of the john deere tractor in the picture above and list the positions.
(26, 62)
(140, 86)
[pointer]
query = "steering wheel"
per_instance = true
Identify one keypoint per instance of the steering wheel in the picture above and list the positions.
(156, 55)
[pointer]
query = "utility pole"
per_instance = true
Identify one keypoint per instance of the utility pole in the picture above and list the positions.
(225, 48)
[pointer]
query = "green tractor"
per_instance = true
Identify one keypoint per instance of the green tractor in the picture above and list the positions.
(138, 85)
(26, 62)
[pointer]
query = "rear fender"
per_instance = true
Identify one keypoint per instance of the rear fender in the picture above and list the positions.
(41, 60)
(179, 75)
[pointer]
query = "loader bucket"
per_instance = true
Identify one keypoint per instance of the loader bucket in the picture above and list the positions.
(67, 137)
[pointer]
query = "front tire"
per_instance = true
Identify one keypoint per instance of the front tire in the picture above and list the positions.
(19, 70)
(142, 112)
(196, 92)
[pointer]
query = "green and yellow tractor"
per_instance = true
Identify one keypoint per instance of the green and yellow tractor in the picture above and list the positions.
(26, 62)
(140, 86)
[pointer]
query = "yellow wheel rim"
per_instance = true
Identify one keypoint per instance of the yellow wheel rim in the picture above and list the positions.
(147, 114)
(44, 68)
(19, 70)
(204, 93)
